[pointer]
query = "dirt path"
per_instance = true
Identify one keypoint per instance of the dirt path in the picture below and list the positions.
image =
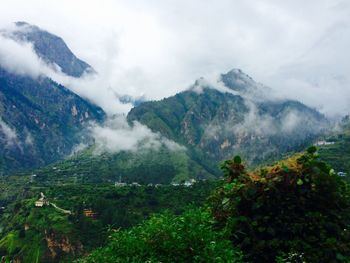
(61, 210)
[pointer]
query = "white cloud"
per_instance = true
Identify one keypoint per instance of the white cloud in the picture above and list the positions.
(117, 135)
(212, 83)
(9, 134)
(19, 58)
(96, 89)
(29, 140)
(157, 48)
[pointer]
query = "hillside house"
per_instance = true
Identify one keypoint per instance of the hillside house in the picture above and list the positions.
(190, 182)
(43, 201)
(88, 212)
(120, 183)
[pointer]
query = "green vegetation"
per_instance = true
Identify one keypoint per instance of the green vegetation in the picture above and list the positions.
(38, 234)
(189, 237)
(295, 211)
(161, 166)
(47, 119)
(337, 154)
(53, 236)
(297, 208)
(214, 125)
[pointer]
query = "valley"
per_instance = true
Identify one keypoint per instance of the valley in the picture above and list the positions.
(222, 170)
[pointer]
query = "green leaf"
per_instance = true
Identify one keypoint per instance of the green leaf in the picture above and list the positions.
(237, 159)
(331, 172)
(225, 200)
(312, 150)
(340, 257)
(300, 182)
(285, 168)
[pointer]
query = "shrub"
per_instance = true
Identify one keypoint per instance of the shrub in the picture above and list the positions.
(295, 211)
(169, 238)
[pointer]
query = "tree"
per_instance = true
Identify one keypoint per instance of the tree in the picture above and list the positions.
(298, 208)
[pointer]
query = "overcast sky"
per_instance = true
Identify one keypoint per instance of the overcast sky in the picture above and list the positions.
(157, 48)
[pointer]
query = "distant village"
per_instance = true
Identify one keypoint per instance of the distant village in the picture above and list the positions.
(323, 143)
(187, 183)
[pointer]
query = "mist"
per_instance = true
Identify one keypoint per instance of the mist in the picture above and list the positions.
(117, 135)
(8, 134)
(152, 49)
(20, 58)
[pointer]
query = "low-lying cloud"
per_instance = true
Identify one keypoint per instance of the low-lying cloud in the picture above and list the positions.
(8, 134)
(158, 48)
(117, 135)
(114, 135)
(20, 58)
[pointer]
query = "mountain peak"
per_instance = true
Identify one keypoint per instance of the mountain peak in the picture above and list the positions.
(51, 48)
(237, 80)
(21, 23)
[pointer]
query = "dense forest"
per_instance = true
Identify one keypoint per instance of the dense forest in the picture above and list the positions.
(85, 215)
(294, 211)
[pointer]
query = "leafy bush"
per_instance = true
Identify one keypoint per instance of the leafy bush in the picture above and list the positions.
(169, 238)
(295, 211)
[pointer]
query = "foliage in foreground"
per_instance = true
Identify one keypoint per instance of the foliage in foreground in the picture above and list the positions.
(296, 211)
(26, 229)
(168, 238)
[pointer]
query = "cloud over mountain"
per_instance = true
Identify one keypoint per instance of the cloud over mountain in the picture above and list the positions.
(157, 49)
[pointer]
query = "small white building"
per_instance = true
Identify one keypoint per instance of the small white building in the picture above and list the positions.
(342, 174)
(119, 184)
(42, 201)
(190, 182)
(323, 142)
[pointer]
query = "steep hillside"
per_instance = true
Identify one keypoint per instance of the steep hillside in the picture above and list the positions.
(335, 148)
(40, 121)
(51, 48)
(48, 234)
(232, 116)
(158, 166)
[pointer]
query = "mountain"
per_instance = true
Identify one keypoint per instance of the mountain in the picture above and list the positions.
(51, 48)
(127, 99)
(236, 115)
(40, 120)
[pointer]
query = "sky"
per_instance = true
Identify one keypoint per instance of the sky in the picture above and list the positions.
(158, 48)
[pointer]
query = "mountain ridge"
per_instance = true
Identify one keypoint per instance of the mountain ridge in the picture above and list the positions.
(220, 123)
(41, 121)
(49, 47)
